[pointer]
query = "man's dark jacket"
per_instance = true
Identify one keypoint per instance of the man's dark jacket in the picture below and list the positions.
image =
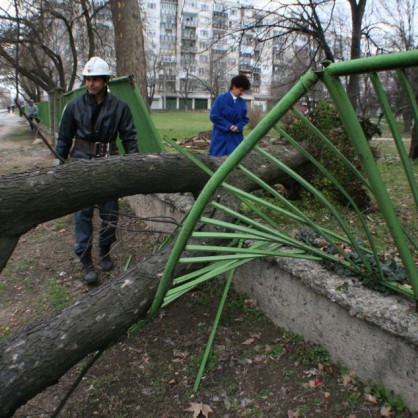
(77, 121)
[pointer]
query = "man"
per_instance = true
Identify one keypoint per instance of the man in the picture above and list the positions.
(32, 114)
(229, 116)
(94, 121)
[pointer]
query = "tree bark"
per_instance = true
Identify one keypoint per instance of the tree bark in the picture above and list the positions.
(413, 150)
(102, 315)
(127, 23)
(37, 358)
(357, 13)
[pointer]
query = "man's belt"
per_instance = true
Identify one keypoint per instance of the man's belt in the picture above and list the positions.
(96, 149)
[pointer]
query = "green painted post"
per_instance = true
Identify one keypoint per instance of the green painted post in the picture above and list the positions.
(355, 132)
(375, 63)
(396, 134)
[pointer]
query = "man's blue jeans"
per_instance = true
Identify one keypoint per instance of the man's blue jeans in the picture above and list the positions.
(83, 226)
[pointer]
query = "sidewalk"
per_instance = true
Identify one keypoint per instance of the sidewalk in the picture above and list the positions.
(10, 122)
(18, 149)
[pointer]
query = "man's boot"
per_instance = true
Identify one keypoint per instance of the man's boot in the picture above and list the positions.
(90, 275)
(106, 263)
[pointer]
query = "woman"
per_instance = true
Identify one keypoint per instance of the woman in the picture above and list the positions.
(229, 116)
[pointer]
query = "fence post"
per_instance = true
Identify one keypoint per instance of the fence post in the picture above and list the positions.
(53, 97)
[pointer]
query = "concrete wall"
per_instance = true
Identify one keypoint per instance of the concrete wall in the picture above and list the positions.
(373, 335)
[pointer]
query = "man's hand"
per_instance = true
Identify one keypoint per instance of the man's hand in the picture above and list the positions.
(233, 128)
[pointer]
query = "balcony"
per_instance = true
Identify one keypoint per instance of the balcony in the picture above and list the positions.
(246, 68)
(166, 77)
(189, 24)
(220, 25)
(171, 38)
(188, 36)
(220, 14)
(218, 51)
(186, 49)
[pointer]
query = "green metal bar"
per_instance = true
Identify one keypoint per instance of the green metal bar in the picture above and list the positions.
(329, 144)
(315, 192)
(375, 63)
(189, 156)
(298, 91)
(245, 197)
(281, 239)
(215, 269)
(409, 94)
(148, 138)
(288, 254)
(248, 250)
(202, 275)
(396, 134)
(229, 235)
(328, 175)
(267, 235)
(356, 134)
(399, 288)
(213, 331)
(309, 222)
(128, 262)
(282, 235)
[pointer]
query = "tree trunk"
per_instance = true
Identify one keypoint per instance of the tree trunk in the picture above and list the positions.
(127, 23)
(30, 198)
(413, 150)
(37, 358)
(105, 313)
(357, 13)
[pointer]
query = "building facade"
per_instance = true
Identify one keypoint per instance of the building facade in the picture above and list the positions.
(194, 48)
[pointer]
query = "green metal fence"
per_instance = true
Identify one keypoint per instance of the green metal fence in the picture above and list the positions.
(258, 226)
(43, 113)
(216, 244)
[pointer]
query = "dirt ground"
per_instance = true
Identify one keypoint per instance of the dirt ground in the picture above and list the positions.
(255, 369)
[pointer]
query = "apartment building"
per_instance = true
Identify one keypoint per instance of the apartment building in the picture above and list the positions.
(194, 48)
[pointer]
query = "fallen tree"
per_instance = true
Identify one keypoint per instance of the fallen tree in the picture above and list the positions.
(38, 356)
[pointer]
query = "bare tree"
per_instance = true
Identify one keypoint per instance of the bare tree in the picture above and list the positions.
(129, 42)
(312, 22)
(155, 68)
(400, 16)
(48, 39)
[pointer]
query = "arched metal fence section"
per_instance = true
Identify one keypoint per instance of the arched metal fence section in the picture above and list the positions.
(212, 245)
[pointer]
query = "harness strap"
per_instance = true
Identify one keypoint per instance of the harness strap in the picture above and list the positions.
(96, 149)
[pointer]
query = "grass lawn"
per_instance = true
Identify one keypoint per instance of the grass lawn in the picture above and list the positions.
(177, 125)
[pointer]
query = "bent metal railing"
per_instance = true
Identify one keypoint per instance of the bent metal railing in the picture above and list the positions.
(255, 232)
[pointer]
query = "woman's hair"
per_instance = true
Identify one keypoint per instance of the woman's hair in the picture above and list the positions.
(240, 81)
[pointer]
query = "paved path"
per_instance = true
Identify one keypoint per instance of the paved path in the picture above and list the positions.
(18, 152)
(11, 121)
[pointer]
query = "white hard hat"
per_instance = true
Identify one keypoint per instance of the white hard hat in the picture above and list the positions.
(96, 66)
